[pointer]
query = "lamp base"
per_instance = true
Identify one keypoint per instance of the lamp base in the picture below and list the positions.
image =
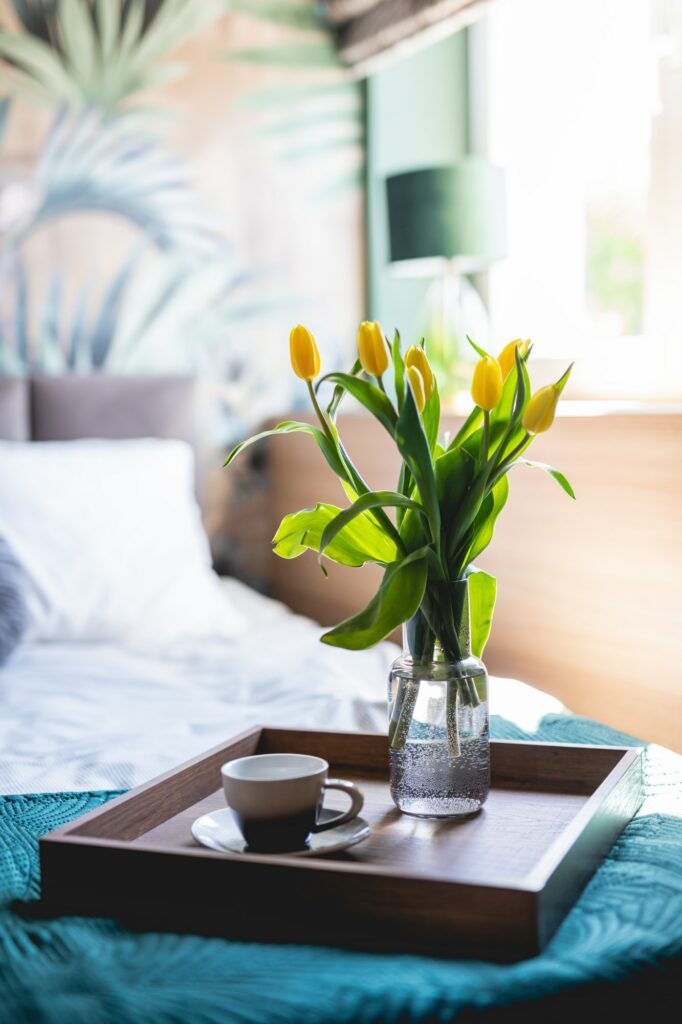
(453, 308)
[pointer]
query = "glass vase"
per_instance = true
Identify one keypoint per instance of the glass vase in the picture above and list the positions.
(439, 743)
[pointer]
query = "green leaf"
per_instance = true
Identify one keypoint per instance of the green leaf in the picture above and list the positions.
(41, 63)
(414, 532)
(405, 478)
(558, 476)
(414, 448)
(291, 95)
(18, 84)
(317, 118)
(397, 599)
(302, 16)
(352, 476)
(291, 427)
(506, 431)
(471, 423)
(368, 394)
(458, 493)
(482, 594)
(340, 391)
(499, 417)
(460, 530)
(404, 487)
(78, 37)
(96, 53)
(108, 16)
(34, 16)
(483, 526)
(477, 348)
(157, 77)
(357, 543)
(454, 472)
(131, 29)
(431, 418)
(317, 148)
(399, 370)
(371, 500)
(350, 179)
(299, 55)
(174, 22)
(523, 386)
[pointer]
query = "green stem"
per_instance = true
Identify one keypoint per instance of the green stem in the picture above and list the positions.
(451, 713)
(505, 464)
(486, 437)
(352, 475)
(440, 619)
(473, 700)
(403, 487)
(320, 415)
(359, 485)
(467, 428)
(451, 646)
(398, 735)
(380, 382)
(396, 710)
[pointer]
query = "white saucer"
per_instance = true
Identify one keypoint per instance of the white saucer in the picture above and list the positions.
(218, 831)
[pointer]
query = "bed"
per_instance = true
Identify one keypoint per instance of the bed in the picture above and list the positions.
(65, 704)
(82, 719)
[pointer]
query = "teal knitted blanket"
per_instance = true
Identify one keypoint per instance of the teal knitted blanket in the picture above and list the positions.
(618, 951)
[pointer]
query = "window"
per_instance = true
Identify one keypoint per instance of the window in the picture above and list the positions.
(583, 109)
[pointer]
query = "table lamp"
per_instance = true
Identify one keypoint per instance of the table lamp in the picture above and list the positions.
(448, 222)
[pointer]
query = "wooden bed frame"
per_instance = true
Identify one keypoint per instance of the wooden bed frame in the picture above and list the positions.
(589, 591)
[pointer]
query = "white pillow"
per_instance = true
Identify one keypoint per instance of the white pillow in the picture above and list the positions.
(109, 534)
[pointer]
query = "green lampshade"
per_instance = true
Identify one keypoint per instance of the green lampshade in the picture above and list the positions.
(453, 213)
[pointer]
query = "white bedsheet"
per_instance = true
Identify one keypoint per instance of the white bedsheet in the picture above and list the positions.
(99, 716)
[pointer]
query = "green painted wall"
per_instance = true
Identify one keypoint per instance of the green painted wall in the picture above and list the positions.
(417, 116)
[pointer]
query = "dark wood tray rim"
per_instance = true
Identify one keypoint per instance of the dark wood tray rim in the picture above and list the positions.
(624, 759)
(93, 865)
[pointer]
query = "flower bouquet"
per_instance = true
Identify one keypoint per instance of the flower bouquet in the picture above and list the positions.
(426, 535)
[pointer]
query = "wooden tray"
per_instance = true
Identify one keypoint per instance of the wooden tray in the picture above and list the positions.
(496, 885)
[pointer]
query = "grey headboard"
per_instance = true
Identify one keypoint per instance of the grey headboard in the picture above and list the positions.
(97, 405)
(15, 415)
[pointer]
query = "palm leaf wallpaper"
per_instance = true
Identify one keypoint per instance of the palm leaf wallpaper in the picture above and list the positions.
(158, 159)
(88, 163)
(321, 116)
(80, 52)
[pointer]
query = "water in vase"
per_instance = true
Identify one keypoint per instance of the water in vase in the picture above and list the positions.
(441, 767)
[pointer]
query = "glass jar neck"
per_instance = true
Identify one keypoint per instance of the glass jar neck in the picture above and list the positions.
(439, 630)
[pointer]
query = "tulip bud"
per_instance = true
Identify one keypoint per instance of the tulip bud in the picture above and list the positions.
(305, 358)
(486, 385)
(507, 357)
(417, 384)
(538, 415)
(416, 356)
(372, 348)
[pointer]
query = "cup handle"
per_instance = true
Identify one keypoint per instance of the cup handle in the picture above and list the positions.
(357, 800)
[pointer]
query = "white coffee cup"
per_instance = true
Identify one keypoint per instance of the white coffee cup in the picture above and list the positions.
(276, 799)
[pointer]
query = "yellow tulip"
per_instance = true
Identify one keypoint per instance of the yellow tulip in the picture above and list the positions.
(507, 357)
(538, 415)
(305, 358)
(486, 385)
(372, 348)
(417, 384)
(416, 356)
